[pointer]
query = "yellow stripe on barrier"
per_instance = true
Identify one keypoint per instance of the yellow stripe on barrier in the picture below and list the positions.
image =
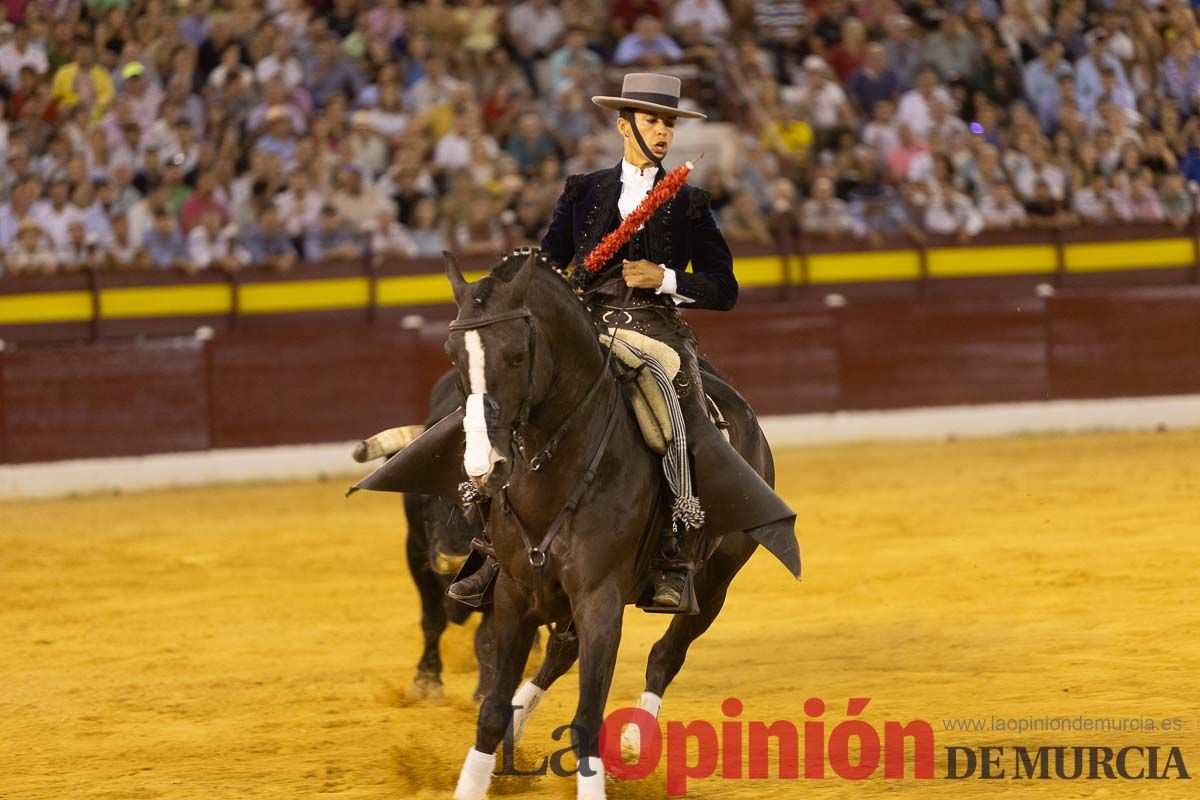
(165, 301)
(413, 290)
(1018, 259)
(21, 309)
(321, 294)
(875, 265)
(1145, 254)
(759, 271)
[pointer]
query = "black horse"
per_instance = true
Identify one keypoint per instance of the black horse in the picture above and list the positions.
(574, 531)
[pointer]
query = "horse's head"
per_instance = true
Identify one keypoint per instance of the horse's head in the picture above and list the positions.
(492, 344)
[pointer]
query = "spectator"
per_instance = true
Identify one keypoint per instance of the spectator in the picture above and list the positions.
(213, 244)
(356, 200)
(1042, 74)
(1001, 211)
(877, 213)
(709, 14)
(823, 215)
(390, 239)
(1176, 200)
(80, 251)
(743, 221)
(1141, 203)
(951, 213)
(427, 230)
(83, 81)
(1044, 210)
(201, 202)
(334, 240)
(31, 253)
(952, 50)
(330, 74)
(300, 206)
(849, 54)
(479, 231)
(55, 216)
(20, 52)
(281, 64)
(902, 51)
(267, 243)
(531, 144)
(830, 111)
(1094, 203)
(165, 245)
(916, 105)
(872, 82)
(19, 207)
(574, 65)
(647, 46)
(123, 252)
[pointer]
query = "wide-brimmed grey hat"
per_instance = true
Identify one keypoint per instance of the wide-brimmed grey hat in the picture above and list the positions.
(649, 91)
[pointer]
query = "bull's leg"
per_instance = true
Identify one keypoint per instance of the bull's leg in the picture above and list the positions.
(669, 652)
(598, 620)
(514, 631)
(428, 682)
(561, 652)
(485, 655)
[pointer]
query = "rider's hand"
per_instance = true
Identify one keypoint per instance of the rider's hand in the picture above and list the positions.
(642, 274)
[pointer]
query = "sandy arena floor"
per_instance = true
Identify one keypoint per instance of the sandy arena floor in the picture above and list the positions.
(259, 642)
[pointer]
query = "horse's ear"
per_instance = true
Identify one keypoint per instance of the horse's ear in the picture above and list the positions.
(457, 282)
(520, 281)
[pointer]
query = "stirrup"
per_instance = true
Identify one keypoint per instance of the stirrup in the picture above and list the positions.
(688, 605)
(476, 561)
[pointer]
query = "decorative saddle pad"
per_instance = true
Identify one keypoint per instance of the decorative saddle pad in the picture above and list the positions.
(649, 406)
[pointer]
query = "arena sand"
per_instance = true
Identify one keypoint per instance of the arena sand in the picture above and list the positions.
(260, 641)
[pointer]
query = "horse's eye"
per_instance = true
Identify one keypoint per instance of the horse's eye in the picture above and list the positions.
(516, 360)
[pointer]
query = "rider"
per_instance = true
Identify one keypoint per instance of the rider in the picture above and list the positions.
(653, 263)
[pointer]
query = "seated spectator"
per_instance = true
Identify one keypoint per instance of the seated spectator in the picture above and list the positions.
(1095, 202)
(83, 80)
(526, 225)
(334, 240)
(19, 207)
(55, 216)
(823, 215)
(23, 51)
(357, 201)
(951, 213)
(908, 149)
(300, 205)
(647, 46)
(1044, 209)
(330, 74)
(709, 14)
(877, 212)
(365, 147)
(427, 229)
(201, 202)
(1176, 200)
(531, 144)
(574, 65)
(213, 244)
(81, 250)
(123, 252)
(827, 104)
(743, 221)
(278, 137)
(165, 245)
(281, 63)
(915, 109)
(390, 239)
(479, 232)
(31, 253)
(872, 82)
(267, 243)
(1141, 203)
(1001, 211)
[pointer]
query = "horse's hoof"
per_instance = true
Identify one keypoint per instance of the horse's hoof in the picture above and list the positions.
(428, 685)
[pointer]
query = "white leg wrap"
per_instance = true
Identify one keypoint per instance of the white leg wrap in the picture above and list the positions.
(476, 776)
(592, 786)
(524, 702)
(631, 738)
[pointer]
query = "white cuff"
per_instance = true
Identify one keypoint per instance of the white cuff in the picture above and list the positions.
(670, 285)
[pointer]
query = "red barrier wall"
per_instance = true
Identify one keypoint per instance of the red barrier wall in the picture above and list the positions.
(315, 382)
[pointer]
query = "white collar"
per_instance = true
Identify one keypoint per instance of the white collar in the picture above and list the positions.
(631, 174)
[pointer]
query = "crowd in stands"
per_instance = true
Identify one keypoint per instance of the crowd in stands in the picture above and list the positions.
(206, 134)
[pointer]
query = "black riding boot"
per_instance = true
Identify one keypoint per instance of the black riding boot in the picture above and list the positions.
(671, 571)
(470, 590)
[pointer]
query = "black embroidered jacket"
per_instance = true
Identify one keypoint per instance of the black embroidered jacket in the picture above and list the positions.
(682, 230)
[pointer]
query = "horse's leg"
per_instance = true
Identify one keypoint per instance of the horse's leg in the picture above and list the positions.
(485, 655)
(514, 632)
(668, 653)
(428, 681)
(598, 621)
(561, 652)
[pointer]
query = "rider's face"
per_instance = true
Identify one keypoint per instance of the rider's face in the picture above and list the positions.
(658, 131)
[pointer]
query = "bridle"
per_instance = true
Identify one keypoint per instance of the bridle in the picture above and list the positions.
(537, 553)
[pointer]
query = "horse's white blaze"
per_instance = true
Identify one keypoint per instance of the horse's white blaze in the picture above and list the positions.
(631, 738)
(477, 458)
(476, 776)
(524, 702)
(591, 787)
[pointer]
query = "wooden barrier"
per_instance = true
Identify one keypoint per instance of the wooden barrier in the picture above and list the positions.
(334, 381)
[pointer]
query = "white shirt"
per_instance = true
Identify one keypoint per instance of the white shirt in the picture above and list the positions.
(635, 185)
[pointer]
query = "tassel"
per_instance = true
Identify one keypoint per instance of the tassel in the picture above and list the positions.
(687, 510)
(469, 493)
(664, 191)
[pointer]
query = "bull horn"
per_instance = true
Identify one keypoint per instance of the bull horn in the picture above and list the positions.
(386, 443)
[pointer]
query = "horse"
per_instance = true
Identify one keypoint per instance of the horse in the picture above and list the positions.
(590, 496)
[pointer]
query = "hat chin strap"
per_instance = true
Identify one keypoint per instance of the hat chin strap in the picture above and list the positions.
(628, 115)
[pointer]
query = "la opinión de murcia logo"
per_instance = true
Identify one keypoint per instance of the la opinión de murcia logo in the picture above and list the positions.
(816, 750)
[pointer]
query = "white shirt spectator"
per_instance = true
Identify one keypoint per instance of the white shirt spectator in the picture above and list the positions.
(710, 14)
(825, 103)
(914, 110)
(540, 28)
(882, 137)
(388, 123)
(393, 239)
(453, 151)
(289, 70)
(12, 59)
(299, 212)
(1002, 216)
(204, 248)
(56, 221)
(1027, 178)
(952, 215)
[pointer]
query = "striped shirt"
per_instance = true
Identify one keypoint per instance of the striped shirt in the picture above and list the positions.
(780, 19)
